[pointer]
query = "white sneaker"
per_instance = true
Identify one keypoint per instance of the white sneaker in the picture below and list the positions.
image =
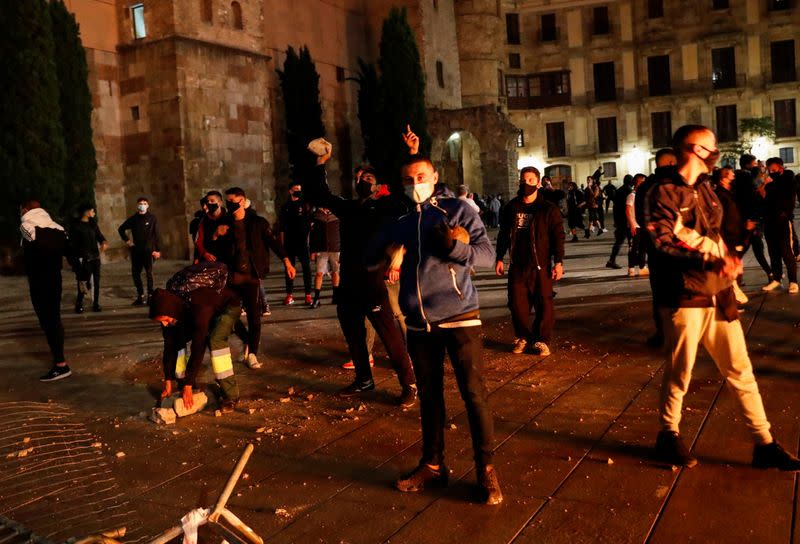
(793, 288)
(741, 298)
(631, 272)
(542, 349)
(771, 286)
(519, 346)
(644, 271)
(252, 361)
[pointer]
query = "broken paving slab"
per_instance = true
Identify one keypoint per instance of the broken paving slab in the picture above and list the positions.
(199, 402)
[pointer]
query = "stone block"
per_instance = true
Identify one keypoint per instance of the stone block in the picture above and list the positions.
(162, 416)
(200, 401)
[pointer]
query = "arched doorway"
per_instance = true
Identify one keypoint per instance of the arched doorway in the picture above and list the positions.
(559, 174)
(461, 162)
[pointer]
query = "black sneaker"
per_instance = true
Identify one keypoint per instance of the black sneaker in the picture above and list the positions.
(56, 373)
(574, 238)
(97, 308)
(416, 480)
(773, 455)
(139, 301)
(614, 265)
(490, 486)
(79, 308)
(315, 304)
(356, 388)
(408, 397)
(227, 406)
(671, 449)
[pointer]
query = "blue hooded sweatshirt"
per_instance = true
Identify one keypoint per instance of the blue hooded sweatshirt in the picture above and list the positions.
(435, 288)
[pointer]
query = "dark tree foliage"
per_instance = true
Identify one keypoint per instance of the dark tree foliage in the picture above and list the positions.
(300, 85)
(369, 109)
(32, 153)
(80, 170)
(402, 84)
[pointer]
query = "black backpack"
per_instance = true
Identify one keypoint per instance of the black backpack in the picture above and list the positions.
(211, 275)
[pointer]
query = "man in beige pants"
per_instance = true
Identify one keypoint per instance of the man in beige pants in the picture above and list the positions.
(693, 276)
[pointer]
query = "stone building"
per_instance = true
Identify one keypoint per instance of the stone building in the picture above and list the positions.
(599, 82)
(186, 96)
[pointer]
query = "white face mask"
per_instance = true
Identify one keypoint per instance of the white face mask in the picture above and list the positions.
(142, 208)
(420, 192)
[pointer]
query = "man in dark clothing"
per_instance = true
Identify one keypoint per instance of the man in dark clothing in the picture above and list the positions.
(692, 277)
(779, 193)
(325, 246)
(532, 228)
(86, 242)
(621, 231)
(575, 206)
(608, 190)
(44, 245)
(362, 293)
(295, 223)
(750, 205)
(204, 318)
(250, 237)
(144, 246)
(665, 164)
(211, 243)
(733, 228)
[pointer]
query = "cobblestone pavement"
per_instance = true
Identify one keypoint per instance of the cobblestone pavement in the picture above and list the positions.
(574, 430)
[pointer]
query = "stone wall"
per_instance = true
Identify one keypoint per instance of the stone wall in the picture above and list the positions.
(495, 136)
(481, 35)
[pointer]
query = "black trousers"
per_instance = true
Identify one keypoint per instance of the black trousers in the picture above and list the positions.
(250, 293)
(91, 277)
(637, 256)
(756, 242)
(621, 234)
(464, 347)
(351, 312)
(531, 288)
(779, 243)
(299, 254)
(142, 260)
(45, 290)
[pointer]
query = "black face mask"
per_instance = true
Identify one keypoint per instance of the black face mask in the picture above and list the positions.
(364, 189)
(233, 207)
(212, 208)
(297, 194)
(527, 190)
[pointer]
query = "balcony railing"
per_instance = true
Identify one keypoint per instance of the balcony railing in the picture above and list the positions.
(537, 102)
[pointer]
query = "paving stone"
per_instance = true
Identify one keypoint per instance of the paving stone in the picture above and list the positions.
(199, 401)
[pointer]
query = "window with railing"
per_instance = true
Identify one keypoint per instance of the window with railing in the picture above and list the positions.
(512, 28)
(556, 140)
(658, 77)
(605, 84)
(786, 154)
(661, 128)
(783, 61)
(542, 90)
(785, 118)
(607, 135)
(548, 31)
(723, 68)
(727, 124)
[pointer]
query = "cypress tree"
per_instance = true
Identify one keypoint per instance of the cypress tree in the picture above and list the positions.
(402, 84)
(369, 109)
(31, 140)
(300, 86)
(80, 170)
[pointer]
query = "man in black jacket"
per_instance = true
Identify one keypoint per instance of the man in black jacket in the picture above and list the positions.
(533, 230)
(250, 236)
(733, 228)
(44, 245)
(295, 225)
(86, 242)
(621, 231)
(750, 205)
(144, 246)
(779, 193)
(362, 293)
(692, 277)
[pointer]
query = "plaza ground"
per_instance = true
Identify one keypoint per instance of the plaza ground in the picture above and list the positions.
(574, 430)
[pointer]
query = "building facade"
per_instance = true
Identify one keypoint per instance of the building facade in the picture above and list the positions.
(186, 96)
(606, 83)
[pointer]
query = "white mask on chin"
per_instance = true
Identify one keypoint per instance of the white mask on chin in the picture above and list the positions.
(420, 192)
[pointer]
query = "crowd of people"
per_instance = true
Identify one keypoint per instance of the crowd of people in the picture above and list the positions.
(401, 263)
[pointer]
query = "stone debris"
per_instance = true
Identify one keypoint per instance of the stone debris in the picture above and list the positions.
(20, 453)
(281, 512)
(97, 445)
(120, 454)
(286, 399)
(163, 416)
(217, 413)
(610, 461)
(200, 401)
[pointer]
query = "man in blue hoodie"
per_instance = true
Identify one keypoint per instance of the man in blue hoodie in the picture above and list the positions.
(443, 239)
